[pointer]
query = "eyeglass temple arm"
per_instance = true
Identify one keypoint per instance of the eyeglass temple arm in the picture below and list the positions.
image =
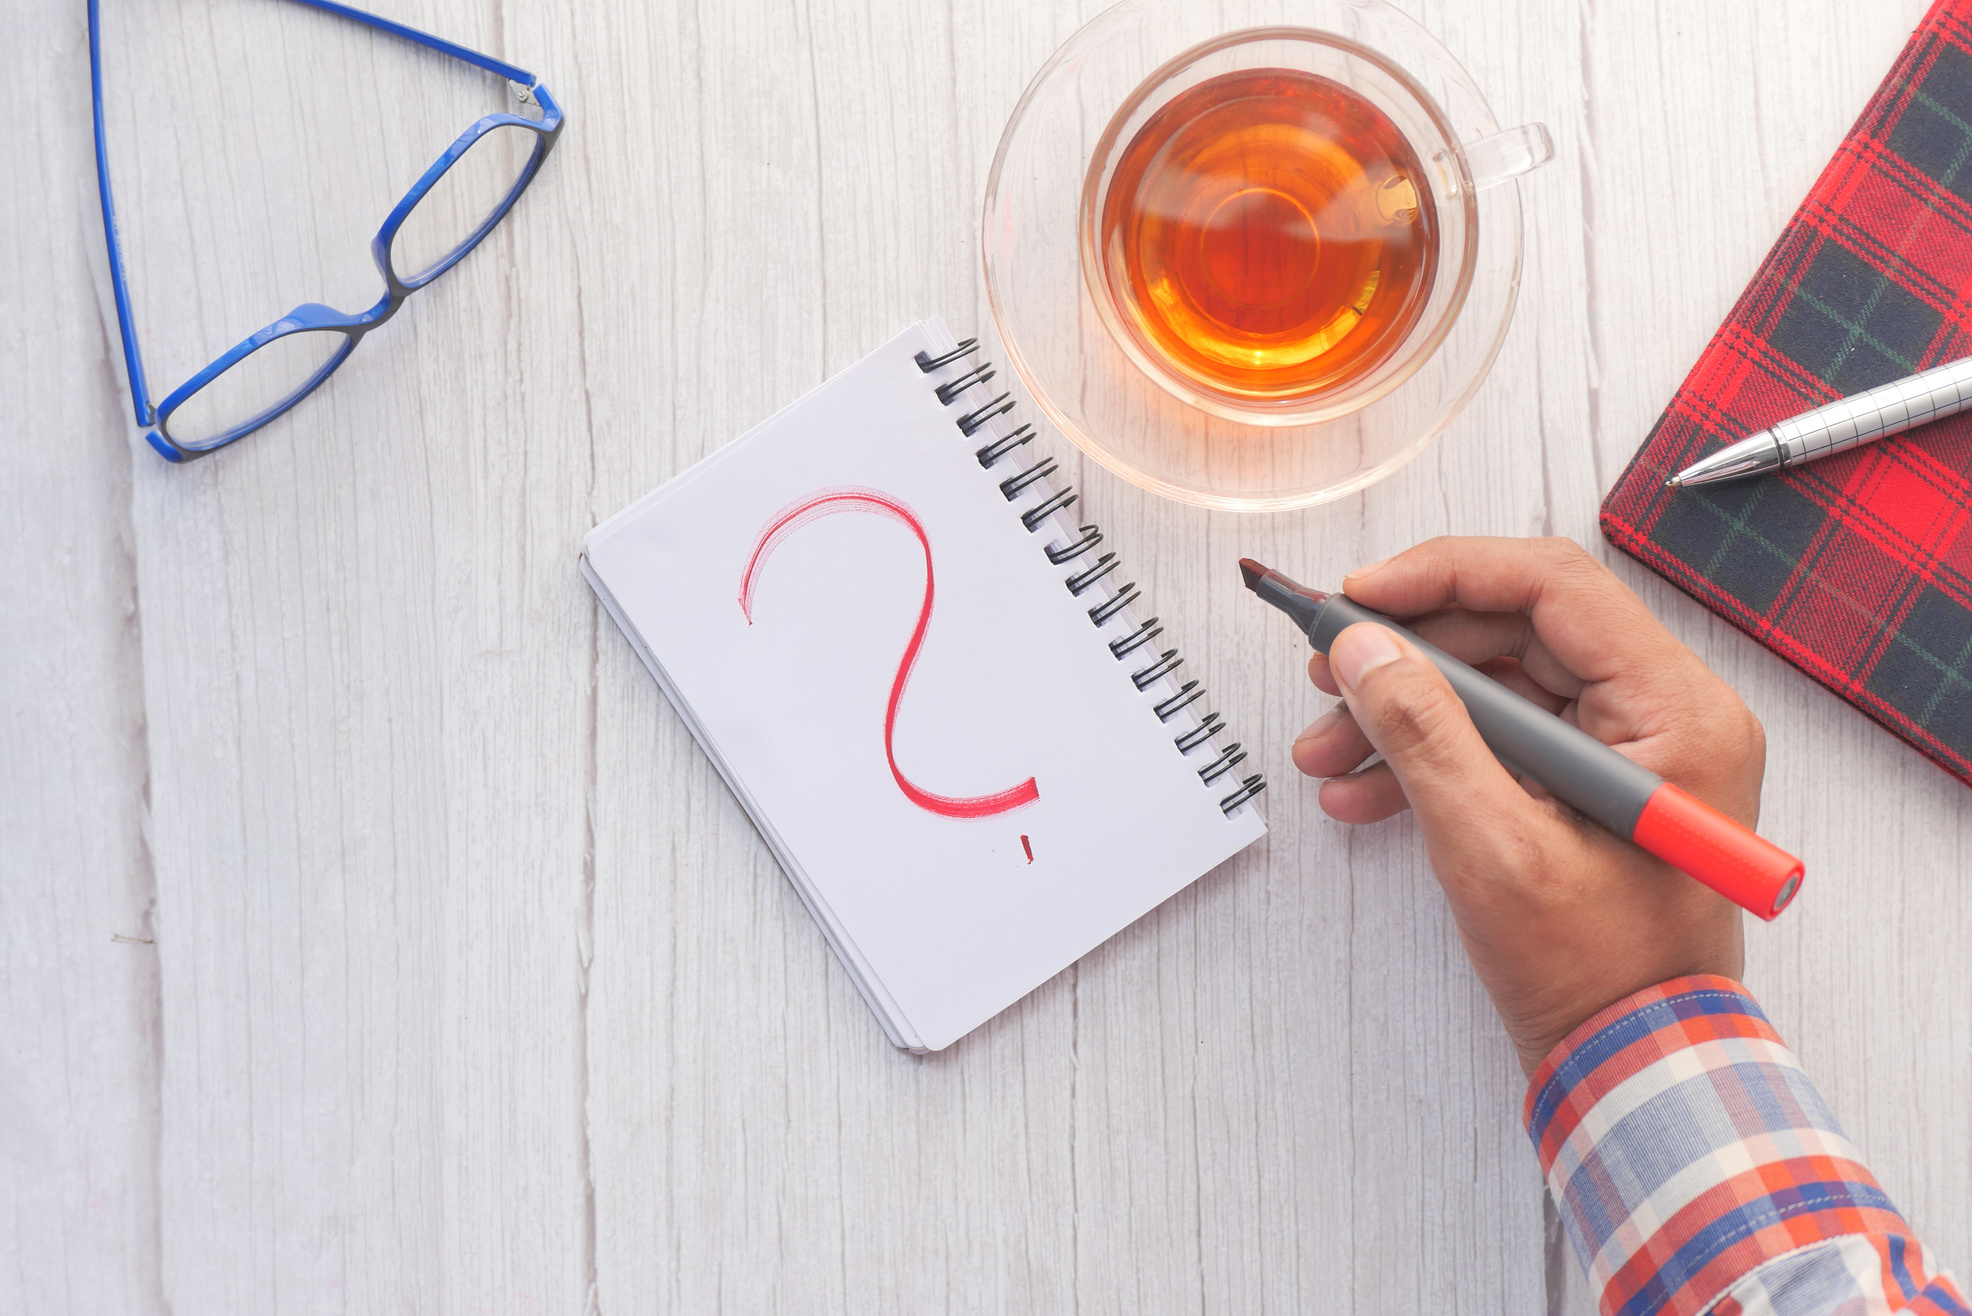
(133, 361)
(426, 39)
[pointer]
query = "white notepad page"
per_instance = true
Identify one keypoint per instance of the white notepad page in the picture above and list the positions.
(955, 891)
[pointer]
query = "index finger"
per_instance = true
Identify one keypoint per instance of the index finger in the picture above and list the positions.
(1590, 621)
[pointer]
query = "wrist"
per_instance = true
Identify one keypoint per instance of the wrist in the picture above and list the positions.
(1592, 956)
(1570, 1007)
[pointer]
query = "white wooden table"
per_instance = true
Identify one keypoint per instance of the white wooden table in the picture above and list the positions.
(372, 936)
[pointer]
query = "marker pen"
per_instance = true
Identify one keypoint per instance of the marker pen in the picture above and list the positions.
(1627, 798)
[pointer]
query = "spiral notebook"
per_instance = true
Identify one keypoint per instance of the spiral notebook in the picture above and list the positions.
(941, 700)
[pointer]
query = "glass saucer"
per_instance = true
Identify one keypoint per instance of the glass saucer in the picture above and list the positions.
(1102, 391)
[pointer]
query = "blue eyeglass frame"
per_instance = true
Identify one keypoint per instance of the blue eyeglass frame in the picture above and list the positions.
(312, 317)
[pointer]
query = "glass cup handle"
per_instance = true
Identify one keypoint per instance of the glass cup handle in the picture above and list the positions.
(1507, 155)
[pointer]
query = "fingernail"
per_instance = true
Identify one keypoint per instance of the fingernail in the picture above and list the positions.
(1359, 651)
(1367, 570)
(1322, 725)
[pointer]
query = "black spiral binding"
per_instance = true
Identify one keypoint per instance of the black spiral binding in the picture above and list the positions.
(1151, 666)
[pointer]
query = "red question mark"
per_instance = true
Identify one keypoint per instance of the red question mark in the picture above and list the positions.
(827, 503)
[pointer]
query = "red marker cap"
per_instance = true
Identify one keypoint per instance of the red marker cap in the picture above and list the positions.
(1723, 854)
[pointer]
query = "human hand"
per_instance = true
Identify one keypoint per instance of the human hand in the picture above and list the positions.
(1559, 916)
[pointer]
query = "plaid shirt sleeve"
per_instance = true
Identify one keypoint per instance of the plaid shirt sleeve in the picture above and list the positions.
(1698, 1170)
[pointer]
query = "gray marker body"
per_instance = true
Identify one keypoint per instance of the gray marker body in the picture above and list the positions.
(1570, 762)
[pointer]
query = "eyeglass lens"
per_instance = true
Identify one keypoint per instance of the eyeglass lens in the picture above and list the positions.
(461, 201)
(254, 386)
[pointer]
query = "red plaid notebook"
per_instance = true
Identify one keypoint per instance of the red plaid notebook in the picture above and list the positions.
(1857, 568)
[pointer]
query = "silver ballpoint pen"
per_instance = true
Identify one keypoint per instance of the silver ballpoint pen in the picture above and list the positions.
(1930, 395)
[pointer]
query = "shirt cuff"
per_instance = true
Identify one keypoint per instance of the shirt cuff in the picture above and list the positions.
(1685, 1149)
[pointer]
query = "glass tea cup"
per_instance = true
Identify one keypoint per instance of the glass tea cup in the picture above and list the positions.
(1256, 268)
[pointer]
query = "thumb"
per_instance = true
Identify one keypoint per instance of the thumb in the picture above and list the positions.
(1409, 712)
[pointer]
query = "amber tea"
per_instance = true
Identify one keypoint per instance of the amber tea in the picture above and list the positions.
(1270, 235)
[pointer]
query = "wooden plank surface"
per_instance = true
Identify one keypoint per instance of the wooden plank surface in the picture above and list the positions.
(472, 987)
(366, 688)
(79, 1048)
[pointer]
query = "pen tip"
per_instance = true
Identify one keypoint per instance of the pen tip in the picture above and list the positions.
(1251, 572)
(1675, 482)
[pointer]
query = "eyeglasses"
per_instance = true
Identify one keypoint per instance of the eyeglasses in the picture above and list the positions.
(447, 212)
